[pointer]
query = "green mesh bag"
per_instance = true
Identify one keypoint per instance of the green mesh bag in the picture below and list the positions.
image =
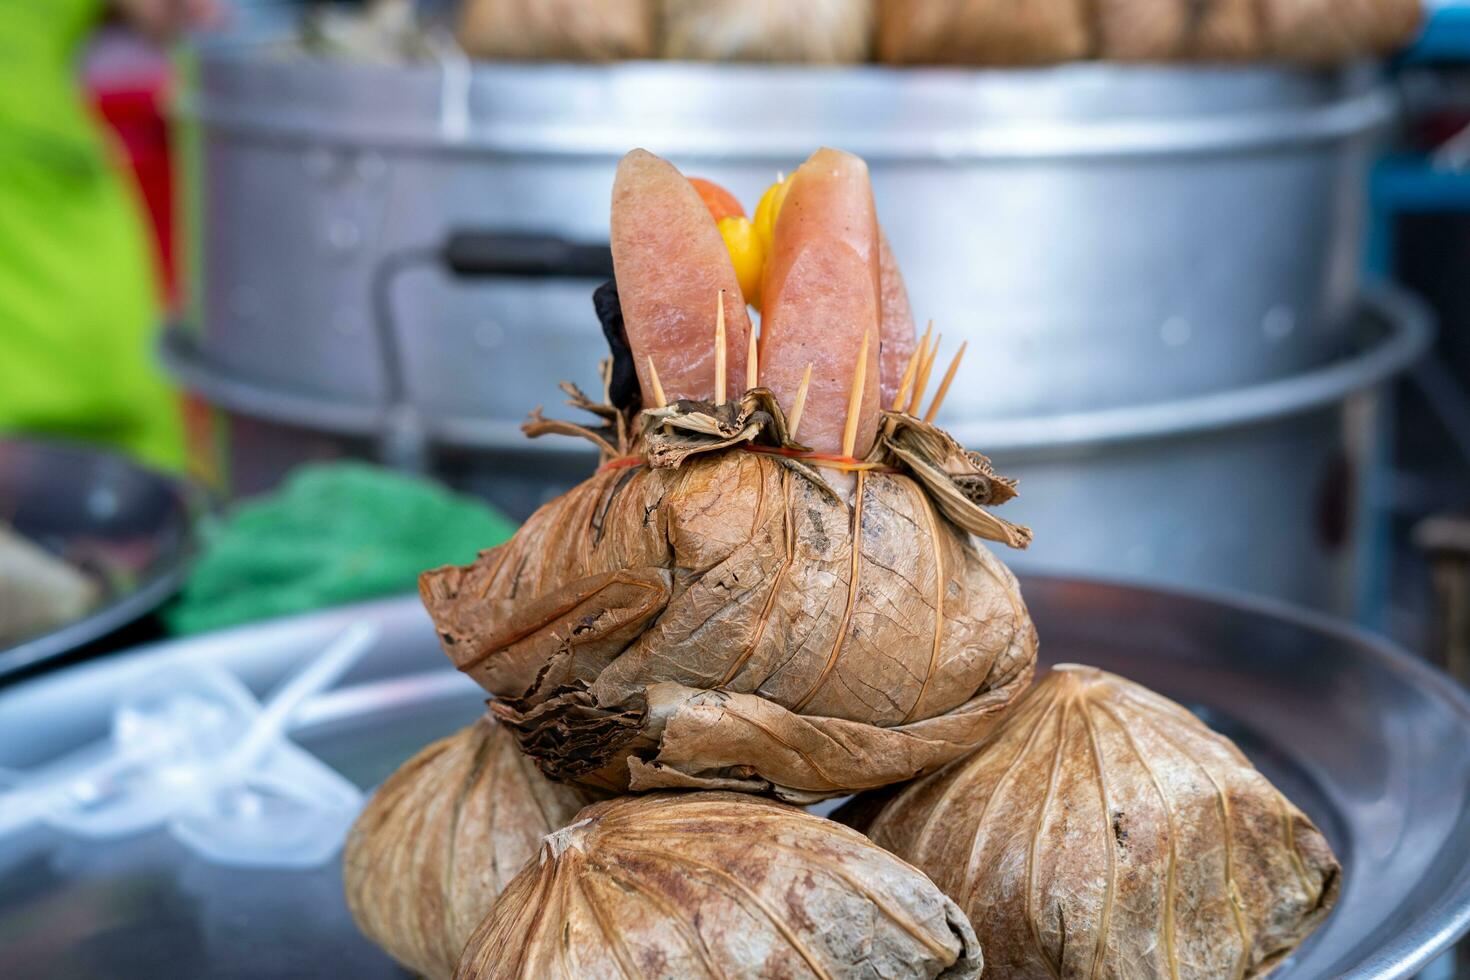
(333, 533)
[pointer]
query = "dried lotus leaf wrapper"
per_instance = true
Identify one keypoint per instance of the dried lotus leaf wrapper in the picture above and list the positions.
(1103, 830)
(717, 885)
(832, 647)
(442, 837)
(1178, 30)
(710, 611)
(983, 32)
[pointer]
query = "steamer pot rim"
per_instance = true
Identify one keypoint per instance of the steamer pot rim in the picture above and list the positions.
(1408, 330)
(876, 102)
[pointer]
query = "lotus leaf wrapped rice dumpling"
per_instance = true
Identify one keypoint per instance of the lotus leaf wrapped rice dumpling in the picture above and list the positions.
(442, 837)
(717, 885)
(722, 606)
(1034, 32)
(1103, 831)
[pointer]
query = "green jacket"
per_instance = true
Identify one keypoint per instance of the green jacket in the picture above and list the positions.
(78, 307)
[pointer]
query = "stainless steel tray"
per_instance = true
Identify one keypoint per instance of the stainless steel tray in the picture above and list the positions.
(1373, 743)
(131, 526)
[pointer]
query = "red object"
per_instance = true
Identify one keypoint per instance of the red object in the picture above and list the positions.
(134, 108)
(721, 203)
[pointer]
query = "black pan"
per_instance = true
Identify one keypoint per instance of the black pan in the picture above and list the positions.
(128, 527)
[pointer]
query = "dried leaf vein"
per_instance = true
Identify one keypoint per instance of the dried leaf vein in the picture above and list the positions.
(852, 592)
(770, 914)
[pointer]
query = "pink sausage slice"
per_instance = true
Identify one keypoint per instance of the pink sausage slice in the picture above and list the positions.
(898, 321)
(821, 295)
(671, 263)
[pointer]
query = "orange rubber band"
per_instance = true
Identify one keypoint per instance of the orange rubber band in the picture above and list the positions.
(846, 464)
(622, 463)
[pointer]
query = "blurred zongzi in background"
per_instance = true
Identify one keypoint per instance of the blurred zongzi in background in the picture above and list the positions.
(897, 32)
(1003, 32)
(1327, 31)
(813, 31)
(557, 30)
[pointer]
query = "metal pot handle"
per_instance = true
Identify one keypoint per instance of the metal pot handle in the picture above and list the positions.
(475, 253)
(465, 254)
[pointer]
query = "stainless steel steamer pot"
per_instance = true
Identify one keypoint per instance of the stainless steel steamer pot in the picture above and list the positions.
(1103, 234)
(1112, 240)
(1281, 488)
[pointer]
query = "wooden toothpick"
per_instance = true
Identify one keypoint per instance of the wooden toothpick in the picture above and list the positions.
(720, 349)
(908, 392)
(910, 370)
(908, 378)
(799, 404)
(752, 364)
(944, 385)
(658, 389)
(855, 398)
(921, 382)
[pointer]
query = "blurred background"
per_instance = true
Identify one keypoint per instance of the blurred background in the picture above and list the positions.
(1210, 261)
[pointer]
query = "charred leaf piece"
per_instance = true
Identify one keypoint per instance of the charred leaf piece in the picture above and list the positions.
(622, 390)
(961, 483)
(688, 428)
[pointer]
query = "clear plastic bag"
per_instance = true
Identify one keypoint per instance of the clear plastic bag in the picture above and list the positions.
(192, 750)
